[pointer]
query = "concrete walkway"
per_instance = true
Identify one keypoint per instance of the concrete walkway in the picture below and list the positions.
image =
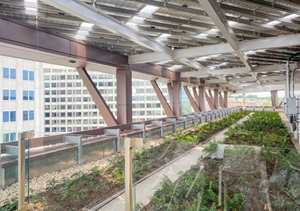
(148, 186)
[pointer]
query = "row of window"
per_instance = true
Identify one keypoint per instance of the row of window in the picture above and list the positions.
(73, 121)
(68, 129)
(11, 116)
(28, 75)
(10, 94)
(71, 77)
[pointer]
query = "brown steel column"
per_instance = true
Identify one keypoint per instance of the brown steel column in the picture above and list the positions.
(162, 99)
(124, 96)
(226, 99)
(202, 98)
(107, 115)
(216, 98)
(274, 98)
(191, 99)
(209, 101)
(175, 97)
(221, 100)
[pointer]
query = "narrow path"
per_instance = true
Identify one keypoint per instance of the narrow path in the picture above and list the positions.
(148, 186)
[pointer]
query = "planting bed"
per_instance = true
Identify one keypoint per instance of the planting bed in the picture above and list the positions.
(99, 184)
(259, 170)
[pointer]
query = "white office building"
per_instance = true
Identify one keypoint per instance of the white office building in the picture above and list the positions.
(22, 98)
(50, 99)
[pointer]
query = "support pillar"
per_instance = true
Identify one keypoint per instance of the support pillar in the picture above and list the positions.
(191, 99)
(244, 101)
(103, 108)
(209, 101)
(175, 97)
(274, 98)
(124, 96)
(216, 98)
(162, 99)
(202, 98)
(226, 99)
(221, 100)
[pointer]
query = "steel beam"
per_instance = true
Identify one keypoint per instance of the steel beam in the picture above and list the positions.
(16, 34)
(242, 79)
(263, 88)
(107, 115)
(213, 9)
(209, 101)
(100, 19)
(124, 96)
(196, 97)
(191, 99)
(93, 15)
(225, 48)
(169, 112)
(263, 68)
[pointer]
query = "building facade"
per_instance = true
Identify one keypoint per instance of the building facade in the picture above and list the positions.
(69, 107)
(22, 98)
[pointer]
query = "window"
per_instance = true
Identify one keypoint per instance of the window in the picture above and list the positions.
(9, 116)
(28, 115)
(9, 73)
(6, 137)
(28, 95)
(9, 137)
(28, 75)
(47, 129)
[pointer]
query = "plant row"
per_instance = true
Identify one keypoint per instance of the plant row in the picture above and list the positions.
(260, 129)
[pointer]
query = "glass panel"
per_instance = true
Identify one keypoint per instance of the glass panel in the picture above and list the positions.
(12, 116)
(5, 72)
(31, 75)
(25, 115)
(25, 75)
(13, 94)
(12, 73)
(5, 116)
(5, 94)
(25, 94)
